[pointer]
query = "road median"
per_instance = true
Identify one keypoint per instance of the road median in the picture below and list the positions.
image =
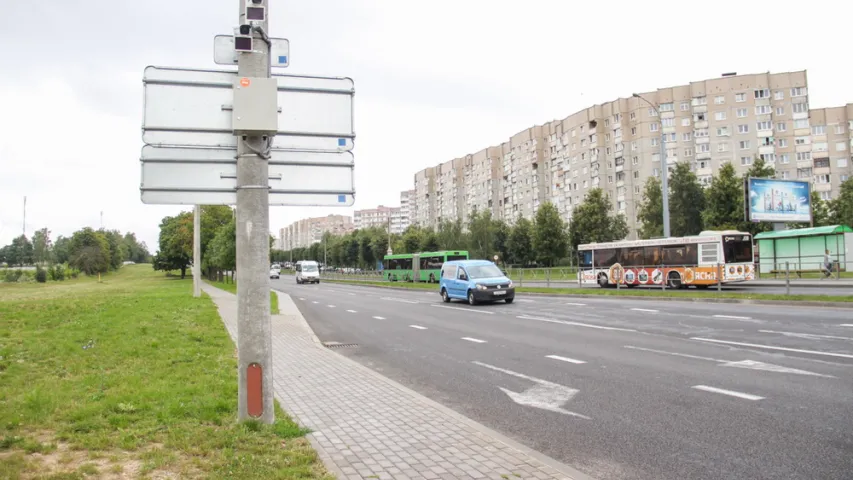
(129, 377)
(645, 294)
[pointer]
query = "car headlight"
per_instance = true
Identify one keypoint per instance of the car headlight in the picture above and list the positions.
(510, 284)
(481, 287)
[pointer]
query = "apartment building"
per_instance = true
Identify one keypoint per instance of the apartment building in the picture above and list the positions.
(617, 146)
(407, 209)
(305, 232)
(381, 217)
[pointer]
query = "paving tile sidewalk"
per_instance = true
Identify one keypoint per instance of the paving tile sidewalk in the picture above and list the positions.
(365, 426)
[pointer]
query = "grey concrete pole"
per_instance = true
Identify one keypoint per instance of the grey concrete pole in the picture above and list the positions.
(664, 181)
(197, 251)
(254, 331)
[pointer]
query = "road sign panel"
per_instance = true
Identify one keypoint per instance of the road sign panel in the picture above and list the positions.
(224, 52)
(193, 108)
(208, 176)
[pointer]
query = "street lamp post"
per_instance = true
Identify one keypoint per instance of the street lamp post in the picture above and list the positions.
(664, 182)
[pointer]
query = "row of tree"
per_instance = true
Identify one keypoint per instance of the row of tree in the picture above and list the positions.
(720, 206)
(90, 251)
(218, 241)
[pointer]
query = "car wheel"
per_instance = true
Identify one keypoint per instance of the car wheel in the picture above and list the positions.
(509, 300)
(444, 295)
(602, 280)
(471, 299)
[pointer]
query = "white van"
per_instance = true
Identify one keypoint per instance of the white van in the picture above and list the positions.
(307, 271)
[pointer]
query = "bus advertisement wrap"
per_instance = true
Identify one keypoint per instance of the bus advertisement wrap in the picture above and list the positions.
(778, 200)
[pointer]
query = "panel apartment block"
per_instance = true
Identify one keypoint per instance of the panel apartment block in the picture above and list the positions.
(305, 232)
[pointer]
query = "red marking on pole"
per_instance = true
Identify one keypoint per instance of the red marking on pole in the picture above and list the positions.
(244, 82)
(254, 390)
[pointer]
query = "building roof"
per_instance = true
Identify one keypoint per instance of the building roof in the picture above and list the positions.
(805, 232)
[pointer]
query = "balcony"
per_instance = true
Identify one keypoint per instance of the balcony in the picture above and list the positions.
(700, 108)
(766, 149)
(700, 124)
(701, 140)
(820, 154)
(803, 148)
(702, 156)
(804, 164)
(765, 133)
(800, 116)
(822, 187)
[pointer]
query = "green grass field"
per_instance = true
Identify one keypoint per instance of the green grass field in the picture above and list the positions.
(632, 292)
(126, 378)
(232, 287)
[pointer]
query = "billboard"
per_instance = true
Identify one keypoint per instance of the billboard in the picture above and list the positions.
(778, 201)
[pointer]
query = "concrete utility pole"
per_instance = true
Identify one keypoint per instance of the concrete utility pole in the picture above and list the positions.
(254, 331)
(664, 179)
(197, 251)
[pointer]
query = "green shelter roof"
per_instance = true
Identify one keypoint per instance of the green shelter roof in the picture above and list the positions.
(805, 232)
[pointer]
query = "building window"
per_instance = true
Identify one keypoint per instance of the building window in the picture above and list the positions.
(636, 174)
(720, 115)
(746, 160)
(767, 125)
(779, 95)
(653, 112)
(819, 130)
(688, 152)
(820, 147)
(762, 109)
(801, 123)
(843, 178)
(801, 140)
(740, 97)
(668, 122)
(723, 131)
(782, 142)
(703, 148)
(762, 93)
(685, 122)
(784, 158)
(654, 127)
(686, 136)
(840, 146)
(701, 133)
(800, 108)
(821, 179)
(841, 163)
(723, 147)
(780, 110)
(744, 144)
(803, 156)
(741, 113)
(632, 116)
(786, 175)
(743, 128)
(685, 106)
(666, 107)
(635, 160)
(781, 127)
(826, 195)
(798, 92)
(654, 142)
(719, 99)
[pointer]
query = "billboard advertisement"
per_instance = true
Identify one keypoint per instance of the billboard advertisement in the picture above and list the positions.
(778, 201)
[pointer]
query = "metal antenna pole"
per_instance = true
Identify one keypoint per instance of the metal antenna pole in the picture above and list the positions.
(254, 330)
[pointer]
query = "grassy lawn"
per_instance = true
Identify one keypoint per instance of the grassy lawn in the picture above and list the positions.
(633, 292)
(131, 377)
(232, 287)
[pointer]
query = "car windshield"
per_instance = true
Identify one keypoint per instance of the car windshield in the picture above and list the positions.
(484, 271)
(309, 268)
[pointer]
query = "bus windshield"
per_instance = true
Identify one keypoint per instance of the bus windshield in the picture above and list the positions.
(309, 267)
(484, 271)
(737, 248)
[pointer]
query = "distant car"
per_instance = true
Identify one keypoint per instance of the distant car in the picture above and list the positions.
(274, 273)
(476, 281)
(307, 271)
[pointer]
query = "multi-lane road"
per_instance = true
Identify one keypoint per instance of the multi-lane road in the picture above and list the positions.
(618, 388)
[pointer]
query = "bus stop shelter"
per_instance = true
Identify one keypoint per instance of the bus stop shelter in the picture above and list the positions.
(802, 250)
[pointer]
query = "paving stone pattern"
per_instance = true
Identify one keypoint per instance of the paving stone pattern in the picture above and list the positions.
(365, 426)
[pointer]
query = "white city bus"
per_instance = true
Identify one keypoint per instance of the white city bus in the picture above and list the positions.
(680, 261)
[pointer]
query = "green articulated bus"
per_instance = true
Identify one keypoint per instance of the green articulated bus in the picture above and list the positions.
(418, 267)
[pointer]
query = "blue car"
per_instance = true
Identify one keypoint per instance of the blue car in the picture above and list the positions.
(476, 281)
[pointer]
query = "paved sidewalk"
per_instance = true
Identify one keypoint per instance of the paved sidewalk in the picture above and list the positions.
(366, 426)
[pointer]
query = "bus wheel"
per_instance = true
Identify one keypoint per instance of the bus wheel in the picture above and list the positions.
(602, 280)
(431, 278)
(673, 280)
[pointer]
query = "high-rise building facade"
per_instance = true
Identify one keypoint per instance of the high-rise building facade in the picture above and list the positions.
(616, 146)
(407, 212)
(305, 232)
(381, 216)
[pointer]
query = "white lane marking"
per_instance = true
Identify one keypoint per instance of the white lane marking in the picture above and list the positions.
(379, 318)
(301, 298)
(475, 340)
(351, 294)
(330, 306)
(749, 364)
(745, 396)
(524, 300)
(732, 317)
(392, 299)
(645, 310)
(577, 304)
(565, 359)
(846, 325)
(418, 327)
(465, 309)
(810, 336)
(770, 347)
(352, 311)
(315, 302)
(546, 395)
(574, 324)
(674, 354)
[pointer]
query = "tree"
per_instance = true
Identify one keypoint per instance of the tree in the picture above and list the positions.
(550, 239)
(212, 219)
(481, 233)
(724, 200)
(117, 247)
(650, 212)
(20, 252)
(821, 215)
(176, 243)
(501, 239)
(451, 235)
(842, 205)
(592, 221)
(41, 245)
(365, 246)
(222, 250)
(686, 202)
(430, 242)
(135, 251)
(62, 249)
(412, 240)
(520, 242)
(90, 251)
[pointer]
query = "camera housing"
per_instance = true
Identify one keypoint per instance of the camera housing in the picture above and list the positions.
(255, 13)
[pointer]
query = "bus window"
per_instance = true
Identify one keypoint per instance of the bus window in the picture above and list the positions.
(680, 255)
(431, 263)
(737, 248)
(631, 257)
(605, 258)
(651, 256)
(451, 258)
(585, 259)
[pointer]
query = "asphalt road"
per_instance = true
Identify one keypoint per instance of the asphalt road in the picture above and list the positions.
(618, 388)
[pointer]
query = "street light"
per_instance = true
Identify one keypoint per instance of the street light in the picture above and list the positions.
(664, 183)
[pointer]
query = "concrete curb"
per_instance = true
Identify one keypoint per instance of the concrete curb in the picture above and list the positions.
(571, 473)
(709, 299)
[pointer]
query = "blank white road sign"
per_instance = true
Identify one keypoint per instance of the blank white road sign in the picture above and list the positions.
(208, 176)
(187, 107)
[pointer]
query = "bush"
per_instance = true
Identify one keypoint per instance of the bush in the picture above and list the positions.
(57, 273)
(41, 275)
(12, 275)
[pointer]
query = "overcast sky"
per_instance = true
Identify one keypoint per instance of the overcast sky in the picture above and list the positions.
(434, 81)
